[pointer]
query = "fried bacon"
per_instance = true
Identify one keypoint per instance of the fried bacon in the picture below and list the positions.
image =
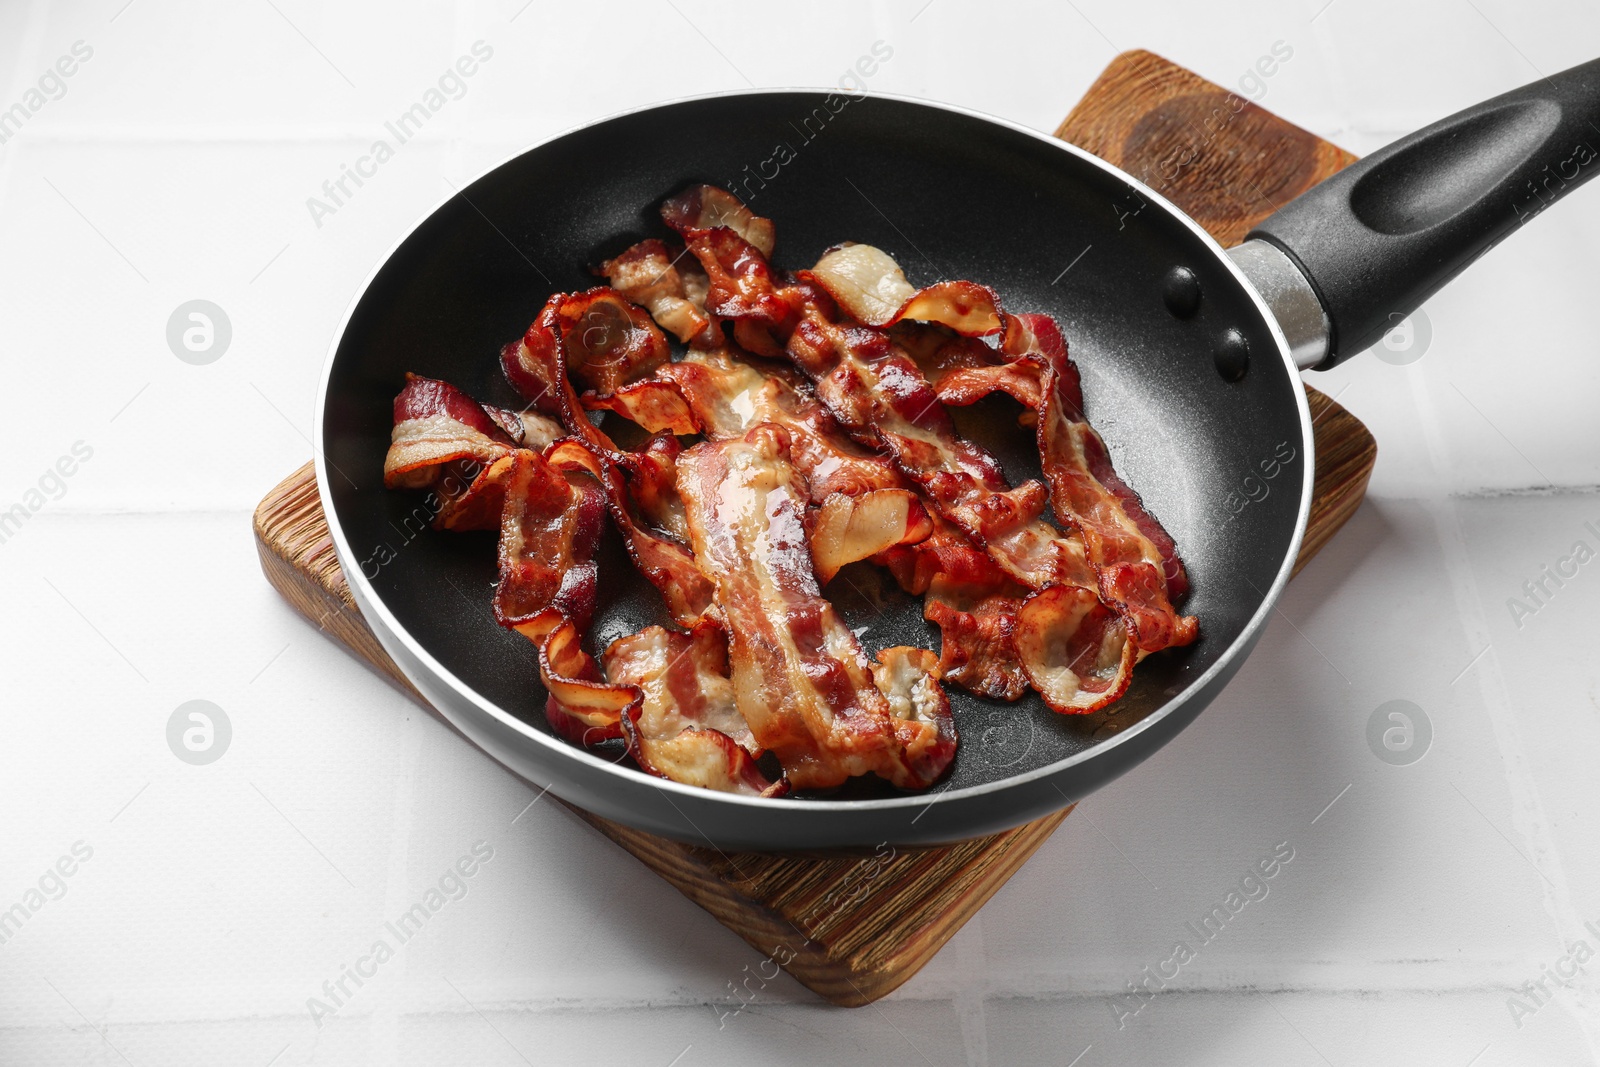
(435, 424)
(866, 508)
(648, 274)
(548, 533)
(842, 451)
(869, 284)
(878, 393)
(582, 707)
(687, 726)
(534, 365)
(700, 208)
(850, 528)
(654, 404)
(800, 676)
(1076, 651)
(1134, 559)
(597, 336)
(448, 443)
(729, 395)
(1133, 556)
(665, 562)
(608, 340)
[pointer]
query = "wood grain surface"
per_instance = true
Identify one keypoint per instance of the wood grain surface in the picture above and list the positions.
(853, 929)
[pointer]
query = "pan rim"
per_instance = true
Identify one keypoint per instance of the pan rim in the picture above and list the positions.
(378, 615)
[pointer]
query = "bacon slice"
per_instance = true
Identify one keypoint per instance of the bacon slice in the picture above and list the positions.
(877, 392)
(534, 365)
(1076, 651)
(654, 404)
(868, 283)
(608, 340)
(583, 707)
(1020, 379)
(806, 688)
(549, 531)
(729, 395)
(851, 528)
(548, 534)
(597, 336)
(434, 424)
(1134, 557)
(687, 727)
(653, 484)
(648, 274)
(446, 442)
(741, 286)
(700, 208)
(665, 562)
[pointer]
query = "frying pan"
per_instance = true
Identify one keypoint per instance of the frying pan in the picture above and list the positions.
(1190, 358)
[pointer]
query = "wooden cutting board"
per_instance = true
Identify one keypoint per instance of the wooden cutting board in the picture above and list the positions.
(854, 929)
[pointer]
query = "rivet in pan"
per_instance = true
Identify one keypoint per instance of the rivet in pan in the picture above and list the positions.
(1181, 292)
(1232, 354)
(1110, 729)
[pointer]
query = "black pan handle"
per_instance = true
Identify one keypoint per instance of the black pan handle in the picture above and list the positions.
(1385, 233)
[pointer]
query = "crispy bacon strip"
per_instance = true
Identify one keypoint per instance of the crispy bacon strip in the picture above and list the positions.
(868, 283)
(851, 528)
(534, 365)
(608, 340)
(706, 207)
(647, 274)
(653, 484)
(434, 424)
(665, 562)
(1076, 651)
(729, 395)
(548, 534)
(582, 707)
(741, 286)
(879, 394)
(596, 335)
(553, 517)
(654, 404)
(448, 443)
(687, 727)
(805, 686)
(1134, 557)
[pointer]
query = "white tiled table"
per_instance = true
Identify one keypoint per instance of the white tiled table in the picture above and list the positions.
(217, 899)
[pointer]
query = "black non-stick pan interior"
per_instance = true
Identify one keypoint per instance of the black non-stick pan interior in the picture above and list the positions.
(950, 196)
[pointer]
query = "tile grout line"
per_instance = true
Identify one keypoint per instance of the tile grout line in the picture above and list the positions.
(1528, 814)
(972, 957)
(384, 1022)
